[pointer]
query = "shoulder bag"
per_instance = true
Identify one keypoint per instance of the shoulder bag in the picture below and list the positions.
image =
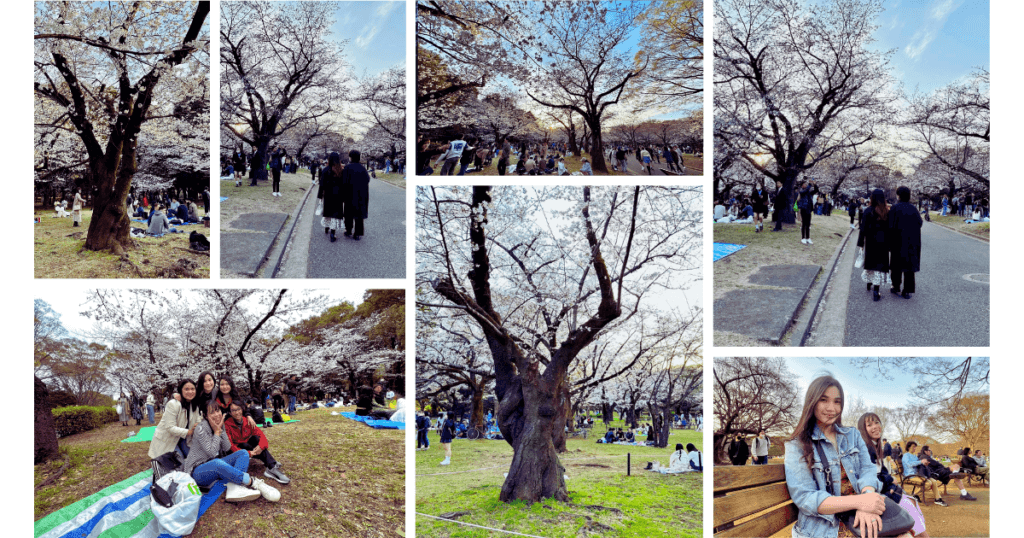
(895, 520)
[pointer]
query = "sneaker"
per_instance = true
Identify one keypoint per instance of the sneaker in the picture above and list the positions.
(809, 242)
(968, 497)
(238, 493)
(277, 474)
(940, 502)
(446, 461)
(804, 241)
(269, 492)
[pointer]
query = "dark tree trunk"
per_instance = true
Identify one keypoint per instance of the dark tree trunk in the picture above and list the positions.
(561, 420)
(477, 418)
(108, 229)
(596, 146)
(47, 447)
(784, 200)
(258, 162)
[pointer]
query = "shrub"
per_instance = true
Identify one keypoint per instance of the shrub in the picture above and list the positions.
(79, 418)
(60, 398)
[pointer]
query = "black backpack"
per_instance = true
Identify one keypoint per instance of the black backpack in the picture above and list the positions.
(277, 416)
(198, 241)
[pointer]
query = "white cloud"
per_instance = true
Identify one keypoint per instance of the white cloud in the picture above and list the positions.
(372, 28)
(930, 27)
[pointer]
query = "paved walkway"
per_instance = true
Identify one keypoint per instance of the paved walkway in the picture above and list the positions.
(765, 310)
(378, 254)
(637, 169)
(950, 308)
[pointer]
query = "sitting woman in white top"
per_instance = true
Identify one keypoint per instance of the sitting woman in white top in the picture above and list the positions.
(677, 462)
(208, 441)
(694, 457)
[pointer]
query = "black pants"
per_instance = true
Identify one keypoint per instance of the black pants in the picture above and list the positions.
(906, 278)
(502, 166)
(805, 223)
(265, 457)
(421, 439)
(277, 178)
(278, 402)
(358, 224)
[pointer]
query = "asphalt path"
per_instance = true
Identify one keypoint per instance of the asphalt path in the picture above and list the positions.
(948, 309)
(636, 168)
(378, 254)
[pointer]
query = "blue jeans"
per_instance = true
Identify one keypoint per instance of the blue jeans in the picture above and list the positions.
(291, 404)
(149, 411)
(183, 447)
(231, 468)
(462, 169)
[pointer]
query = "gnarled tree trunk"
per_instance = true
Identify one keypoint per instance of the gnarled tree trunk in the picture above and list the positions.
(46, 434)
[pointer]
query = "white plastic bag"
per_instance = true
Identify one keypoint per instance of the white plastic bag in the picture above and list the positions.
(319, 207)
(181, 517)
(118, 408)
(859, 262)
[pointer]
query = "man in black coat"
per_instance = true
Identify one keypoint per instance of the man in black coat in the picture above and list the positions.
(356, 184)
(904, 243)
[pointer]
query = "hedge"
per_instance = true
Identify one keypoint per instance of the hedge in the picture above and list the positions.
(79, 418)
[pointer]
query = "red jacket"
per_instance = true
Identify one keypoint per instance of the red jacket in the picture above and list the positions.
(241, 433)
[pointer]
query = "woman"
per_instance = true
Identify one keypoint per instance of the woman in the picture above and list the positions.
(136, 410)
(226, 394)
(244, 435)
(677, 462)
(447, 434)
(808, 190)
(759, 200)
(76, 209)
(177, 422)
(967, 462)
(819, 432)
(739, 451)
(126, 411)
(645, 156)
(205, 385)
(870, 427)
(873, 239)
(150, 404)
(586, 169)
(696, 460)
(209, 439)
(332, 195)
(910, 463)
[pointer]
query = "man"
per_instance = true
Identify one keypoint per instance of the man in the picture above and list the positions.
(887, 449)
(761, 446)
(275, 168)
(452, 156)
(291, 390)
(355, 182)
(904, 244)
(422, 427)
(942, 474)
(897, 452)
(620, 158)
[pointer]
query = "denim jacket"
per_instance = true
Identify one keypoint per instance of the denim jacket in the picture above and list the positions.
(808, 496)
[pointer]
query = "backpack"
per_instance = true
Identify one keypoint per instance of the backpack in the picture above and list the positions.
(198, 241)
(277, 417)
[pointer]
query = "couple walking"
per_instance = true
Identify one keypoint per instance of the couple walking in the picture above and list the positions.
(891, 241)
(344, 195)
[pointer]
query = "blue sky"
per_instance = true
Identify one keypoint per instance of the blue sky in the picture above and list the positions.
(936, 41)
(375, 32)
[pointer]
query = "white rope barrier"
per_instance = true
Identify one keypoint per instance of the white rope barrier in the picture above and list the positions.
(478, 526)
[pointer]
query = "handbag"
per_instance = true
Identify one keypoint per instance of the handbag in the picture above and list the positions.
(319, 207)
(859, 261)
(895, 520)
(910, 504)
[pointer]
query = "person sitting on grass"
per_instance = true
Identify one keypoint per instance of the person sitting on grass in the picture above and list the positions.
(209, 439)
(586, 169)
(944, 474)
(182, 212)
(244, 435)
(629, 437)
(678, 462)
(609, 436)
(158, 223)
(174, 430)
(694, 457)
(226, 395)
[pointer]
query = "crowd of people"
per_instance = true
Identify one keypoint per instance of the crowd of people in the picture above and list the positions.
(279, 161)
(160, 209)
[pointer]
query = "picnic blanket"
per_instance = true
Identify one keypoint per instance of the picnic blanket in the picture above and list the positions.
(222, 198)
(121, 511)
(373, 423)
(724, 249)
(278, 423)
(145, 434)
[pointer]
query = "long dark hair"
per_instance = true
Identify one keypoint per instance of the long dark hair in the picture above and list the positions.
(210, 403)
(878, 202)
(805, 427)
(334, 163)
(875, 446)
(233, 394)
(188, 405)
(201, 396)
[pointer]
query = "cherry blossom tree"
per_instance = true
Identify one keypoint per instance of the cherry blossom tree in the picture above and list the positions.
(786, 75)
(673, 42)
(544, 273)
(278, 70)
(104, 71)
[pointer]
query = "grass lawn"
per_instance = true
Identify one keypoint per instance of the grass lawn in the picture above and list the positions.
(771, 248)
(980, 230)
(59, 253)
(604, 501)
(347, 479)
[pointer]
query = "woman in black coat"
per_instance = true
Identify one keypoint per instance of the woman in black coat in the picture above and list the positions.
(874, 231)
(759, 199)
(332, 192)
(904, 223)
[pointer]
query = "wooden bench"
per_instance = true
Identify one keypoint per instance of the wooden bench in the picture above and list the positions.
(914, 482)
(751, 500)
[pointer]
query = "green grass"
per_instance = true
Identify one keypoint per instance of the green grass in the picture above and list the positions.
(347, 479)
(981, 230)
(604, 500)
(771, 248)
(59, 253)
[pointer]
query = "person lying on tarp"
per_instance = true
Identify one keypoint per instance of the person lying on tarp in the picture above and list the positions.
(371, 403)
(246, 436)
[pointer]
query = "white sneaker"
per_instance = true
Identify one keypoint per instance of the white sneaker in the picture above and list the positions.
(238, 493)
(446, 461)
(809, 242)
(269, 492)
(804, 241)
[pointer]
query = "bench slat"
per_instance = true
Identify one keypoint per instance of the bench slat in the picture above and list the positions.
(765, 525)
(728, 478)
(748, 501)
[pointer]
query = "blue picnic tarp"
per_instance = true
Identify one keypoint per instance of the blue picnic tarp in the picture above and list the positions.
(373, 423)
(724, 249)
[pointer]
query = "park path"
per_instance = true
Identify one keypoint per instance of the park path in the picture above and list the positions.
(378, 254)
(636, 168)
(950, 308)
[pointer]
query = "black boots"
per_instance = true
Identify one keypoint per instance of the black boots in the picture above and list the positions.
(876, 295)
(333, 239)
